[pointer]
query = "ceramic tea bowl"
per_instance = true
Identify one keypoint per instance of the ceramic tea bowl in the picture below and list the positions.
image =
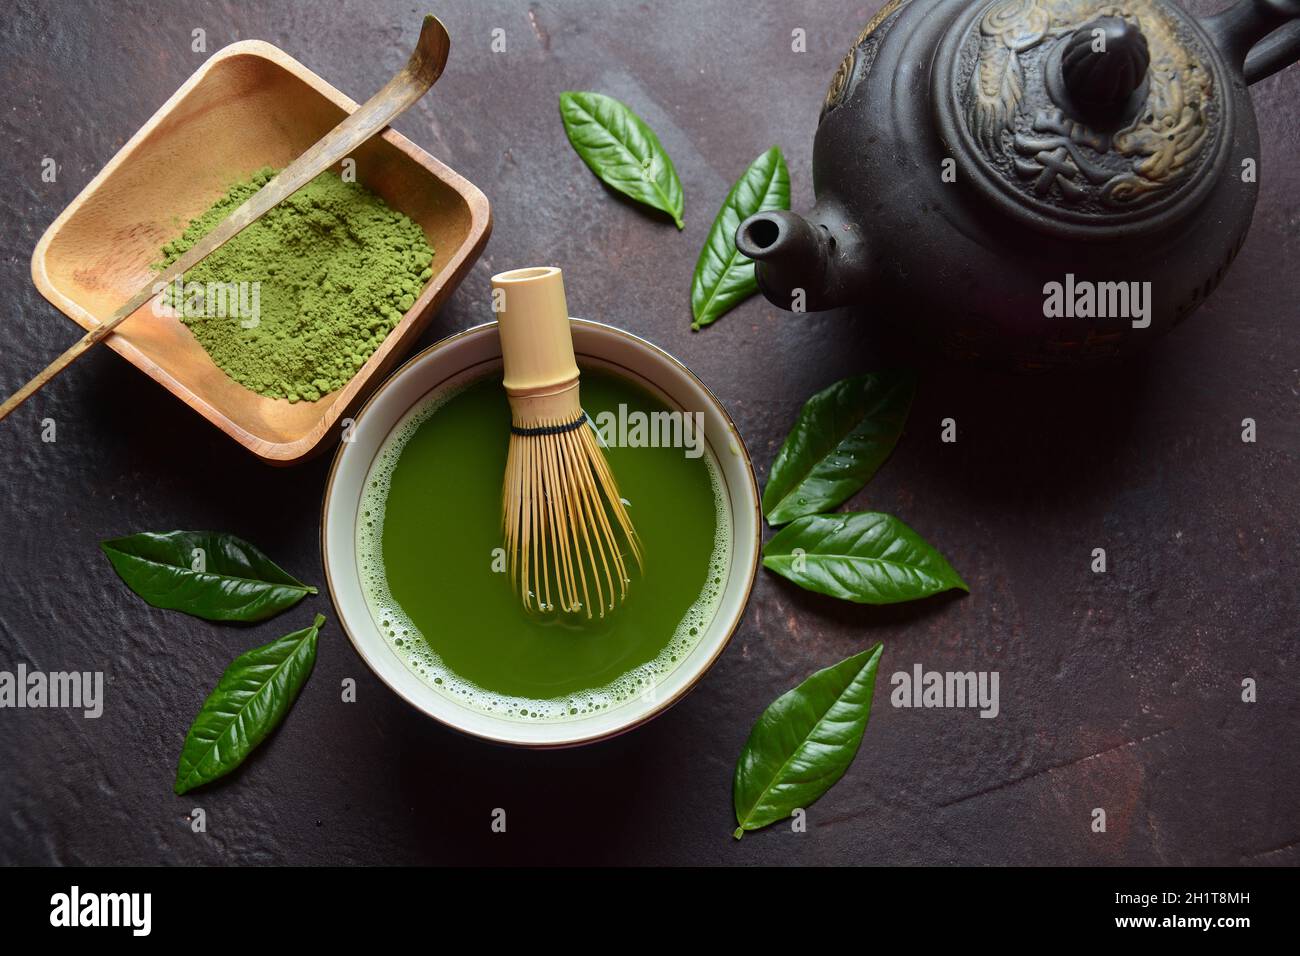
(467, 356)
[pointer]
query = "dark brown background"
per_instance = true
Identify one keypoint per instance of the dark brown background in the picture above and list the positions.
(1119, 691)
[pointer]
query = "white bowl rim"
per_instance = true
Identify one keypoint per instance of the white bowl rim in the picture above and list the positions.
(732, 621)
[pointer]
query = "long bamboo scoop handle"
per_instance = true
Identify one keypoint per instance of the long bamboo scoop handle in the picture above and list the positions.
(410, 83)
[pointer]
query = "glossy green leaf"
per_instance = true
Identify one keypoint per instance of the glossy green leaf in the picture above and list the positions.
(723, 276)
(843, 435)
(804, 742)
(211, 575)
(622, 150)
(250, 700)
(865, 557)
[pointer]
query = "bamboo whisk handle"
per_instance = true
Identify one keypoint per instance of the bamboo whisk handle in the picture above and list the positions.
(536, 342)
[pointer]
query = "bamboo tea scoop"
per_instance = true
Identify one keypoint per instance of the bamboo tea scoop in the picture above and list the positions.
(410, 83)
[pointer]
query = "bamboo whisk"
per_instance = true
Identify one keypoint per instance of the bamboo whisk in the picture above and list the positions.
(566, 528)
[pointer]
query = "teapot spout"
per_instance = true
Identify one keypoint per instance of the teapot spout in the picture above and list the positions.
(798, 262)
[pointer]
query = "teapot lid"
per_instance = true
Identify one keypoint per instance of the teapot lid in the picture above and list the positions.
(1087, 117)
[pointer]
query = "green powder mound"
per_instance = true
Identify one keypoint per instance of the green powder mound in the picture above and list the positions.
(335, 269)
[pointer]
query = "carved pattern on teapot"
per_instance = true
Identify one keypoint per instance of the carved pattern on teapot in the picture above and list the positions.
(840, 81)
(1023, 131)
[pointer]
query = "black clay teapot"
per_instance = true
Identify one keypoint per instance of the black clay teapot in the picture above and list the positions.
(1040, 182)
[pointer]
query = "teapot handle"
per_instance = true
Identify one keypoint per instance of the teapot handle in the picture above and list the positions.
(1277, 51)
(1258, 37)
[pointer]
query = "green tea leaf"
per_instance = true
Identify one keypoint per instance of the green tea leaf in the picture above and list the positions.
(622, 150)
(804, 742)
(723, 276)
(843, 435)
(865, 557)
(211, 575)
(250, 700)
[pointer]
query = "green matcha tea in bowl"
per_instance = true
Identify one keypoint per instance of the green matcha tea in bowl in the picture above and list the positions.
(428, 584)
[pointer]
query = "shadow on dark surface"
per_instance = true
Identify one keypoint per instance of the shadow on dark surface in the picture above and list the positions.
(552, 801)
(1065, 427)
(1075, 423)
(158, 435)
(654, 215)
(862, 618)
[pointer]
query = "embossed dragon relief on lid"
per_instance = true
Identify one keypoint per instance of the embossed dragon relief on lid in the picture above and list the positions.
(1091, 112)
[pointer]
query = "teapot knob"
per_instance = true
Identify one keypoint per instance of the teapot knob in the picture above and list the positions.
(1103, 62)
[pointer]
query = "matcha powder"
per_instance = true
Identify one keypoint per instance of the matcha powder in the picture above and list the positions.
(335, 269)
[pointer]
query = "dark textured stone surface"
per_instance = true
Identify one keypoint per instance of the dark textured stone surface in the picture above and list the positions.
(1119, 691)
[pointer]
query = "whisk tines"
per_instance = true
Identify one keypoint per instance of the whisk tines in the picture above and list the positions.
(566, 527)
